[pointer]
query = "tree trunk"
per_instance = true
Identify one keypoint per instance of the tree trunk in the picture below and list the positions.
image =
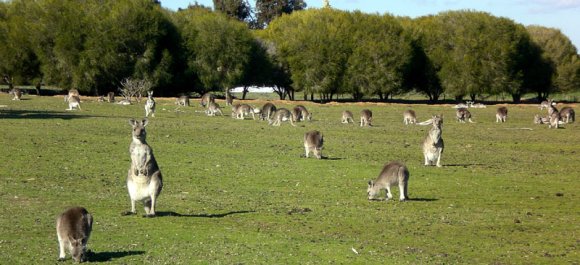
(517, 98)
(244, 92)
(472, 96)
(37, 87)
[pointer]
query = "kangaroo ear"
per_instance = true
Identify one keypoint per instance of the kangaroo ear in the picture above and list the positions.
(132, 122)
(145, 122)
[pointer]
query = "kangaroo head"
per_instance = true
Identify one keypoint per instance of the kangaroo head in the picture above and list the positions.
(437, 121)
(78, 250)
(371, 191)
(139, 132)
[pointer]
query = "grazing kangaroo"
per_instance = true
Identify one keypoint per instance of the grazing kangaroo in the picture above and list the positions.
(393, 173)
(366, 117)
(296, 114)
(16, 93)
(541, 120)
(567, 114)
(241, 111)
(73, 229)
(463, 115)
(313, 141)
(150, 105)
(554, 115)
(281, 115)
(501, 114)
(182, 101)
(144, 180)
(111, 97)
(409, 117)
(206, 99)
(267, 111)
(347, 117)
(304, 114)
(433, 143)
(213, 108)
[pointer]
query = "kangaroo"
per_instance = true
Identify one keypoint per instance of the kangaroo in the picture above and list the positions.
(347, 117)
(213, 108)
(150, 105)
(73, 229)
(16, 93)
(409, 117)
(241, 111)
(463, 115)
(541, 120)
(296, 114)
(544, 104)
(313, 141)
(229, 99)
(74, 102)
(144, 180)
(433, 143)
(393, 173)
(267, 111)
(206, 99)
(501, 114)
(101, 99)
(111, 97)
(304, 114)
(182, 101)
(366, 117)
(554, 115)
(281, 115)
(568, 114)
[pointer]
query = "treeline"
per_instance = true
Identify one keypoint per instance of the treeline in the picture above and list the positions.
(94, 45)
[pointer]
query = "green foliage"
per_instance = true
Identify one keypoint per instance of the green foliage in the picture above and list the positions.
(217, 48)
(268, 10)
(503, 195)
(238, 9)
(559, 52)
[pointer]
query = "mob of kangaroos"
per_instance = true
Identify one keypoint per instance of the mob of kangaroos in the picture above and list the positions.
(393, 173)
(144, 180)
(73, 229)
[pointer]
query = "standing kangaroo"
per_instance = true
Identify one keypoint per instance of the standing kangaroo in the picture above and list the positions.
(433, 144)
(150, 105)
(111, 97)
(73, 229)
(74, 102)
(393, 173)
(501, 114)
(313, 141)
(16, 93)
(206, 98)
(554, 115)
(409, 117)
(229, 98)
(366, 117)
(144, 180)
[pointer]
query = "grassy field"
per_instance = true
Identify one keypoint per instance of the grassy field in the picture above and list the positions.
(239, 192)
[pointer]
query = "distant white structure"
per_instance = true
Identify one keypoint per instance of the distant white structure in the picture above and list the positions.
(253, 89)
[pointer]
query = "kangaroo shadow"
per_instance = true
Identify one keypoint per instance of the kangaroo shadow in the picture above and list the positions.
(422, 199)
(108, 256)
(33, 114)
(202, 215)
(331, 158)
(463, 165)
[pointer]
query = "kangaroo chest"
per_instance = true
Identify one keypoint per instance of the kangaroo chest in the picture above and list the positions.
(140, 155)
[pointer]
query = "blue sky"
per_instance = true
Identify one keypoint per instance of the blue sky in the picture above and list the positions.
(560, 14)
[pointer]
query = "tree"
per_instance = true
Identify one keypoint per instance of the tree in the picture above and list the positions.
(558, 52)
(268, 10)
(238, 9)
(216, 48)
(380, 58)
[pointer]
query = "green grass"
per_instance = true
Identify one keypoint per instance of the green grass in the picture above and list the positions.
(238, 192)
